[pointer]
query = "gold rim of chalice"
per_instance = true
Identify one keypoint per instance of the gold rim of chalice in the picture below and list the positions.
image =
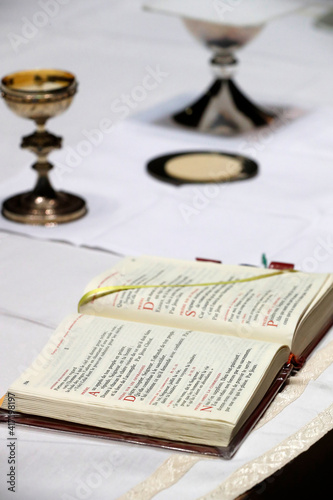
(38, 86)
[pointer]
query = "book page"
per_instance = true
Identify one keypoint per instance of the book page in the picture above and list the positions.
(267, 309)
(134, 367)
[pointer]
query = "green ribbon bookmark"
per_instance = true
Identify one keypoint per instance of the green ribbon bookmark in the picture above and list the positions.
(108, 290)
(264, 260)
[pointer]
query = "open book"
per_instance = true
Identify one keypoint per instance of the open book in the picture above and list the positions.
(175, 357)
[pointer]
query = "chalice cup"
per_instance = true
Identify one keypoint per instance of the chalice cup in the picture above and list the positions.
(223, 109)
(40, 95)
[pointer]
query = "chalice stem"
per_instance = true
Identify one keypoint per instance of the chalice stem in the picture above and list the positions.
(43, 186)
(42, 143)
(40, 124)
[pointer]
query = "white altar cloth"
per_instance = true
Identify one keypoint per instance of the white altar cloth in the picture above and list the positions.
(288, 204)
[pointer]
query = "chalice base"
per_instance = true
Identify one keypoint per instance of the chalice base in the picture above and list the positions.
(29, 208)
(224, 110)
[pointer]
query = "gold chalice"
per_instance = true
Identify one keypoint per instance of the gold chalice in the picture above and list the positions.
(40, 95)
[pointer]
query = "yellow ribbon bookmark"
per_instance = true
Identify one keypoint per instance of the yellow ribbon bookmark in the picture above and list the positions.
(107, 290)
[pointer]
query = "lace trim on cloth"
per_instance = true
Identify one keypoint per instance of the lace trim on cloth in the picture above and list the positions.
(173, 469)
(176, 466)
(297, 384)
(258, 470)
